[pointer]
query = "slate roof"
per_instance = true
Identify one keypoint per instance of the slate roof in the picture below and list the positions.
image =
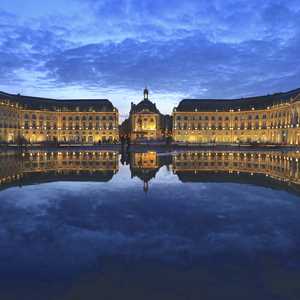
(241, 178)
(144, 105)
(32, 178)
(99, 105)
(260, 102)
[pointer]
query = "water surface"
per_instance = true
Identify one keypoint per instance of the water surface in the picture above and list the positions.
(184, 225)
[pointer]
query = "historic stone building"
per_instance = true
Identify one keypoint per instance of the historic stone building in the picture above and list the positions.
(9, 120)
(268, 119)
(145, 121)
(39, 120)
(271, 119)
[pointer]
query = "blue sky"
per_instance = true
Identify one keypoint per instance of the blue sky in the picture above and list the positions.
(113, 48)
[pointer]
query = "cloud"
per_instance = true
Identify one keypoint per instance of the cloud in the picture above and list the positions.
(190, 65)
(196, 49)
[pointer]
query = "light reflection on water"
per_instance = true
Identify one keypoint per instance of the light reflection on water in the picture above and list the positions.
(100, 222)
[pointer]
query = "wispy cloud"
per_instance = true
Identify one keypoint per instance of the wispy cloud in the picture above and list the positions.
(195, 49)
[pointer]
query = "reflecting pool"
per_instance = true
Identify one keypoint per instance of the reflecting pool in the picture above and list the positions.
(150, 225)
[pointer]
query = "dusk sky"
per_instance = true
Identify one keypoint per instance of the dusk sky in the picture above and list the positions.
(114, 48)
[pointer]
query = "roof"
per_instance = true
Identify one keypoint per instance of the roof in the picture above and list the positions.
(145, 105)
(144, 174)
(100, 105)
(242, 178)
(260, 102)
(32, 178)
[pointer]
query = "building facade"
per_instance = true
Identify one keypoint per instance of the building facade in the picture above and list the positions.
(37, 120)
(272, 119)
(9, 121)
(145, 120)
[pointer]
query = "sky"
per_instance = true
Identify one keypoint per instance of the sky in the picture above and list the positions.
(178, 49)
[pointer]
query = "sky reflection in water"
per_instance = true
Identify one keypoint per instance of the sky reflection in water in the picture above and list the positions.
(63, 230)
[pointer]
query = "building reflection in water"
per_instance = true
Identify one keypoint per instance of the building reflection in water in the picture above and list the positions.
(146, 165)
(267, 168)
(273, 169)
(38, 167)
